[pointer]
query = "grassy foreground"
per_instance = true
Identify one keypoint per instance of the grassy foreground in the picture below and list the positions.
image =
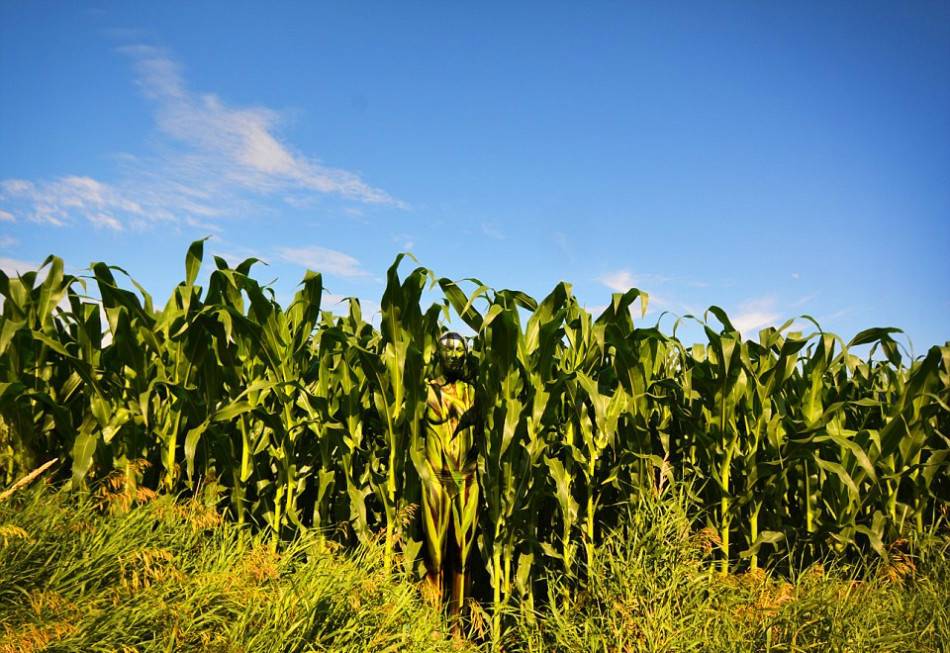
(654, 587)
(90, 574)
(124, 570)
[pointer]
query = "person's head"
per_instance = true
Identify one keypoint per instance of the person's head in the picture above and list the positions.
(453, 353)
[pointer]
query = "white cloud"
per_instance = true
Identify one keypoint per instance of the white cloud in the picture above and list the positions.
(338, 305)
(240, 142)
(212, 159)
(7, 241)
(6, 216)
(204, 225)
(670, 298)
(105, 220)
(321, 259)
(15, 186)
(55, 202)
(618, 281)
(755, 314)
(748, 321)
(13, 267)
(624, 280)
(333, 302)
(233, 253)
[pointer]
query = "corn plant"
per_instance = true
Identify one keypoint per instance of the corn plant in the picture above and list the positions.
(299, 418)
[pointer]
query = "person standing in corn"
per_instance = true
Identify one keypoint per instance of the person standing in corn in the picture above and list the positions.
(450, 486)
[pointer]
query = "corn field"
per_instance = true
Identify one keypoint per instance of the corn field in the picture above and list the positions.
(304, 419)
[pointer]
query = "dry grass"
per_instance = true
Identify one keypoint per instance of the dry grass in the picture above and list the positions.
(107, 573)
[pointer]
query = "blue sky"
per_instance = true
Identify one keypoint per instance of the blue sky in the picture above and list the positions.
(774, 159)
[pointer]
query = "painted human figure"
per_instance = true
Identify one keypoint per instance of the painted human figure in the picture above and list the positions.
(450, 493)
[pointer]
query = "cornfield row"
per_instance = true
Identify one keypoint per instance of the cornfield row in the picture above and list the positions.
(307, 419)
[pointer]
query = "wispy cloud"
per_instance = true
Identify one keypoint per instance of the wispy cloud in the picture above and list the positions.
(492, 230)
(831, 317)
(321, 259)
(618, 280)
(339, 305)
(665, 301)
(7, 241)
(623, 280)
(333, 302)
(12, 267)
(755, 314)
(212, 159)
(55, 202)
(803, 300)
(239, 142)
(234, 253)
(405, 241)
(564, 245)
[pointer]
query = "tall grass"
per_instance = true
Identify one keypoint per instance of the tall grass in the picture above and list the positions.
(653, 587)
(94, 573)
(124, 570)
